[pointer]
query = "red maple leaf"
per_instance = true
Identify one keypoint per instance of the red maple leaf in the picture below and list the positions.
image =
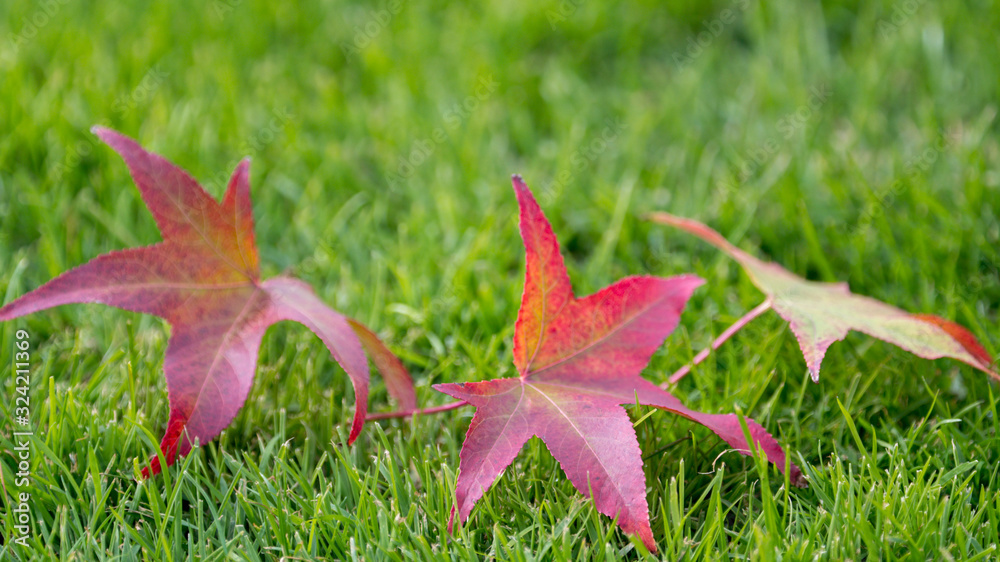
(579, 360)
(204, 280)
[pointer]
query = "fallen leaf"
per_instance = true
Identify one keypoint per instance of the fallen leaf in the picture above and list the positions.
(822, 313)
(579, 360)
(204, 279)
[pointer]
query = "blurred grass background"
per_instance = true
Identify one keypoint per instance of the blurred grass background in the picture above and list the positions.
(846, 140)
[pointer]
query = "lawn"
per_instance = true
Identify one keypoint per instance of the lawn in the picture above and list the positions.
(847, 141)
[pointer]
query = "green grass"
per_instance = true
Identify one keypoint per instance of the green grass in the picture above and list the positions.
(901, 453)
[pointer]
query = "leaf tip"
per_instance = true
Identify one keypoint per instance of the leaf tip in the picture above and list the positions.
(965, 338)
(519, 185)
(360, 412)
(796, 477)
(119, 142)
(105, 134)
(693, 281)
(446, 387)
(152, 468)
(659, 216)
(243, 167)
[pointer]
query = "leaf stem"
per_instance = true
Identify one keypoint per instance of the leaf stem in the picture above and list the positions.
(703, 354)
(407, 413)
